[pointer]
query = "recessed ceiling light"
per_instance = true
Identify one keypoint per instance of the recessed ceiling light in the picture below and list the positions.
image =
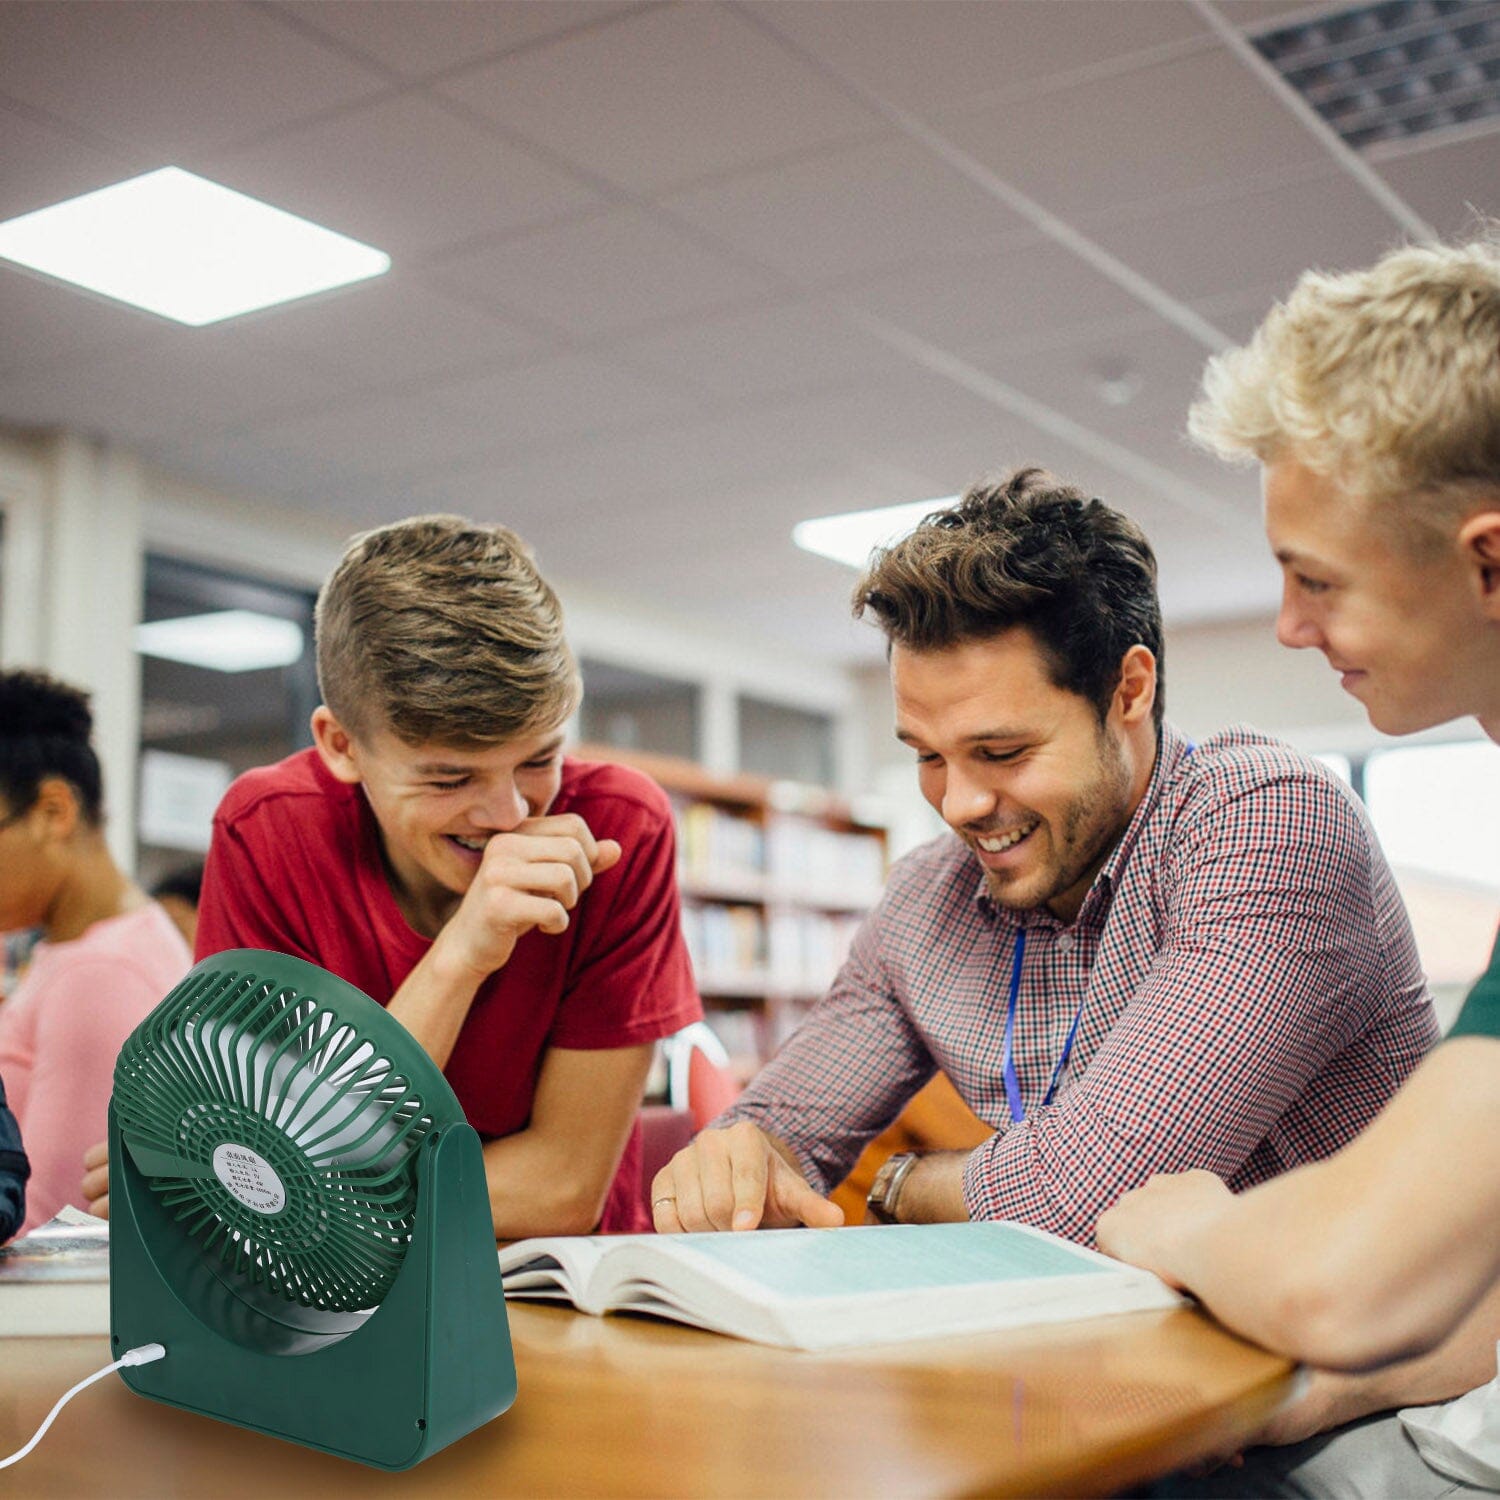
(851, 537)
(186, 248)
(228, 640)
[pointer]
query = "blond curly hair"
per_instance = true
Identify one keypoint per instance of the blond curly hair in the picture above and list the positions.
(1387, 380)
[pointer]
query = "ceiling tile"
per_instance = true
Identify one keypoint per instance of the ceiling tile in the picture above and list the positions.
(46, 165)
(1451, 185)
(1261, 239)
(1239, 313)
(388, 333)
(1028, 291)
(796, 346)
(1120, 385)
(559, 398)
(925, 57)
(599, 275)
(859, 208)
(662, 98)
(372, 436)
(404, 175)
(170, 78)
(1123, 139)
(241, 464)
(1132, 388)
(419, 37)
(45, 322)
(173, 383)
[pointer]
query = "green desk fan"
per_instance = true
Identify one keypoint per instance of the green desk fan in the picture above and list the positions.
(298, 1211)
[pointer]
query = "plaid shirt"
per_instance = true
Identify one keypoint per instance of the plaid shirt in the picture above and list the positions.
(1250, 987)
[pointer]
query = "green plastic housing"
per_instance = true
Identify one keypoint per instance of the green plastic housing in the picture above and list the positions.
(386, 1387)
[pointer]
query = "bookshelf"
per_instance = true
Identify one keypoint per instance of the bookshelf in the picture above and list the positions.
(775, 877)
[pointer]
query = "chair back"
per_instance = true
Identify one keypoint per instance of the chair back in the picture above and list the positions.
(699, 1079)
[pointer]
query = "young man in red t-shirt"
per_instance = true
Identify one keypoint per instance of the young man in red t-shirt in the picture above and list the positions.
(517, 911)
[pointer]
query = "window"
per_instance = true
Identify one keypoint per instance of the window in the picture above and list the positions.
(1437, 811)
(201, 726)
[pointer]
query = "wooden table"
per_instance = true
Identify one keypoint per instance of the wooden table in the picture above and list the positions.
(627, 1407)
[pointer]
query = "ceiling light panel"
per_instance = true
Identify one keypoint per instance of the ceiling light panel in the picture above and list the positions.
(1389, 72)
(186, 248)
(227, 640)
(849, 538)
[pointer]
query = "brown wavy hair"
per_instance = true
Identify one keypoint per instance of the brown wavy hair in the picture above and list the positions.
(1025, 550)
(442, 630)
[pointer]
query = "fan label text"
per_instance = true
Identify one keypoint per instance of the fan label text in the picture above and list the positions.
(248, 1176)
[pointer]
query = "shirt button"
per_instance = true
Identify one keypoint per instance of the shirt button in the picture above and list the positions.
(1065, 942)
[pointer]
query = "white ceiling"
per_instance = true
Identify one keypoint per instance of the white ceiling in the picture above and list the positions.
(670, 277)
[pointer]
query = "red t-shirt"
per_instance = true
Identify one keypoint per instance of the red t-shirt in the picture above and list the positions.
(295, 867)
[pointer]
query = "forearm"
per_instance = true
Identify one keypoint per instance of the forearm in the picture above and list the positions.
(1375, 1253)
(1464, 1360)
(554, 1176)
(433, 1002)
(536, 1188)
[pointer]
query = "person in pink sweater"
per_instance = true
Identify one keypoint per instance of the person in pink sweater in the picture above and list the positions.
(108, 954)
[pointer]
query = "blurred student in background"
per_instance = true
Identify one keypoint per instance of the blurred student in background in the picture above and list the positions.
(108, 953)
(1372, 401)
(178, 892)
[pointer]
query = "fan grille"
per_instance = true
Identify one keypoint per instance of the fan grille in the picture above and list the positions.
(281, 1129)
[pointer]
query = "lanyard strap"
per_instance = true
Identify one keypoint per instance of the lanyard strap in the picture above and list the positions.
(1007, 1060)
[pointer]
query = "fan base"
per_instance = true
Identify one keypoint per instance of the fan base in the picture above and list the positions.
(426, 1367)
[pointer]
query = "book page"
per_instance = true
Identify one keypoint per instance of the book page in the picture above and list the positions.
(808, 1263)
(557, 1265)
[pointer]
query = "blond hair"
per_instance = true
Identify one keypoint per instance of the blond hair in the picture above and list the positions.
(441, 629)
(1387, 380)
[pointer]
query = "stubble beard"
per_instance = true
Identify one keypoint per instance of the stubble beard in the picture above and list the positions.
(1090, 827)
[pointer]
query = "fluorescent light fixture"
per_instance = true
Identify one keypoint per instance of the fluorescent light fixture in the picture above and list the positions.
(229, 640)
(189, 249)
(849, 538)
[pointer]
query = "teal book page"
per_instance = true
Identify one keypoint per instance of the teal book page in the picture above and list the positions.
(891, 1258)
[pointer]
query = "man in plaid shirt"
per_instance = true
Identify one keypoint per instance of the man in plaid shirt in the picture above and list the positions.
(1131, 955)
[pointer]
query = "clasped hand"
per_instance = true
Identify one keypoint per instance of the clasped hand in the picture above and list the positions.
(530, 877)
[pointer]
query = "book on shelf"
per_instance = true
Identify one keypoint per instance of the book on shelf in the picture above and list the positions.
(55, 1280)
(832, 1288)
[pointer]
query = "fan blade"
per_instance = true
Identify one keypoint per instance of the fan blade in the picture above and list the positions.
(152, 1162)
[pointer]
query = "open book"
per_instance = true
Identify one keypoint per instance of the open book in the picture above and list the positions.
(825, 1288)
(55, 1280)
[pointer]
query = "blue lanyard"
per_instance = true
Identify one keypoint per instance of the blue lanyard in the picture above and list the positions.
(1007, 1061)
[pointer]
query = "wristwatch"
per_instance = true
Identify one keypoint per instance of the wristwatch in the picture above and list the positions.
(885, 1192)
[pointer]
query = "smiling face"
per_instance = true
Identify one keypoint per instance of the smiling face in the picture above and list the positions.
(1022, 770)
(437, 805)
(1406, 629)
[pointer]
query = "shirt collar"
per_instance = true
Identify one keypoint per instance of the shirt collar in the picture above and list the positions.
(1172, 748)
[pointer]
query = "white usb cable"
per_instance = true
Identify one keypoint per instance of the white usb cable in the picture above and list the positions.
(143, 1355)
